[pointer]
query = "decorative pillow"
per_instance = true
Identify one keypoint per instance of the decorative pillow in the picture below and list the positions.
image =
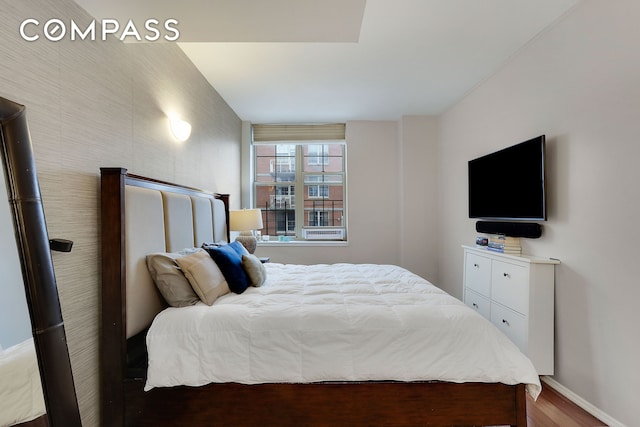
(205, 277)
(239, 248)
(228, 258)
(169, 279)
(206, 246)
(255, 269)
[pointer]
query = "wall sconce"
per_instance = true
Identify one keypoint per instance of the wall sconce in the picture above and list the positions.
(180, 129)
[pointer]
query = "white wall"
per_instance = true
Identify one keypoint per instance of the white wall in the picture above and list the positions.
(578, 83)
(93, 104)
(418, 171)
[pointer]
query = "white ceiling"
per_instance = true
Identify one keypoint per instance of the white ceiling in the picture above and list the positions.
(292, 61)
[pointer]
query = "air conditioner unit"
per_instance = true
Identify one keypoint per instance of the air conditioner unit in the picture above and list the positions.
(323, 233)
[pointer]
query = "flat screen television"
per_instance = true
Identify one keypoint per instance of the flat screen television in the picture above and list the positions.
(509, 184)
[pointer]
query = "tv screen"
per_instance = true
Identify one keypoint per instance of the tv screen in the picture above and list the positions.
(509, 184)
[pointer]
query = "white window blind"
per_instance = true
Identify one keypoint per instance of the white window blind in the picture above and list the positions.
(267, 133)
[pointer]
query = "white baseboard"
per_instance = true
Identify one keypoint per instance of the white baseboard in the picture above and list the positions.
(602, 416)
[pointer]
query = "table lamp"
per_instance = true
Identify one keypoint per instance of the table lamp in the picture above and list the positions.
(245, 221)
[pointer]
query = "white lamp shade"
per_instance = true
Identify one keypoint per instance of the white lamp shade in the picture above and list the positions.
(245, 220)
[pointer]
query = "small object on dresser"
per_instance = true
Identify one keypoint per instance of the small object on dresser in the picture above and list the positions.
(482, 241)
(505, 244)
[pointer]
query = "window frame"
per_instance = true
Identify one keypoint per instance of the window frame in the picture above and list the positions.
(323, 185)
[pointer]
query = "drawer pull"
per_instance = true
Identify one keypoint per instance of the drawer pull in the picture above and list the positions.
(506, 274)
(475, 305)
(505, 322)
(476, 265)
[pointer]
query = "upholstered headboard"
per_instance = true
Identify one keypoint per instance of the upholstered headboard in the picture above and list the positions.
(140, 216)
(155, 216)
(159, 220)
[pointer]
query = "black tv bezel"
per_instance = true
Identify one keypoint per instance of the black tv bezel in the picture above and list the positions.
(541, 140)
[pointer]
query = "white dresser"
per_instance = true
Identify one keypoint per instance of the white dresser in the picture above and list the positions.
(517, 294)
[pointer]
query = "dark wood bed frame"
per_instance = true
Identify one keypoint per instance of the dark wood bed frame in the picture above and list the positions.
(41, 421)
(124, 403)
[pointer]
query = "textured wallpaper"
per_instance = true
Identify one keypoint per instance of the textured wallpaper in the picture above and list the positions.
(92, 104)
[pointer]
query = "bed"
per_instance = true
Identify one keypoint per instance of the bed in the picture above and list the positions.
(140, 216)
(21, 398)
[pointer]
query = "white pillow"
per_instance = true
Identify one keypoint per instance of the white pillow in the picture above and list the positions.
(255, 269)
(169, 279)
(205, 277)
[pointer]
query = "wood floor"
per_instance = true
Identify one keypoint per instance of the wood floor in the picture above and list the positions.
(554, 410)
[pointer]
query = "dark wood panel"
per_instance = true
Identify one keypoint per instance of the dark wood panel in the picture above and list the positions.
(334, 404)
(41, 421)
(113, 351)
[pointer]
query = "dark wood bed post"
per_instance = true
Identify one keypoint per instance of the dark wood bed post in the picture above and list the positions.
(225, 200)
(113, 351)
(521, 405)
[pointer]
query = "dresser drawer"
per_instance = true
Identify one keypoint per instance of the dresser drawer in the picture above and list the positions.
(516, 294)
(477, 274)
(510, 286)
(512, 324)
(477, 302)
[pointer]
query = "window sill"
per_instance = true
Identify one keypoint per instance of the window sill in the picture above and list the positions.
(301, 243)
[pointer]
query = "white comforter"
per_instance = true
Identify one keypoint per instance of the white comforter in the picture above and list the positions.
(349, 322)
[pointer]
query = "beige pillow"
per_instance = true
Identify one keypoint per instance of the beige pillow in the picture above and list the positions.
(205, 277)
(255, 269)
(172, 284)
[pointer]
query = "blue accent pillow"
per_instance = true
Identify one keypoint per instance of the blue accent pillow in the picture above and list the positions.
(239, 248)
(236, 245)
(229, 260)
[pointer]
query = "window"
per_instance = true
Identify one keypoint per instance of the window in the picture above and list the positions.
(317, 154)
(316, 191)
(314, 171)
(318, 218)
